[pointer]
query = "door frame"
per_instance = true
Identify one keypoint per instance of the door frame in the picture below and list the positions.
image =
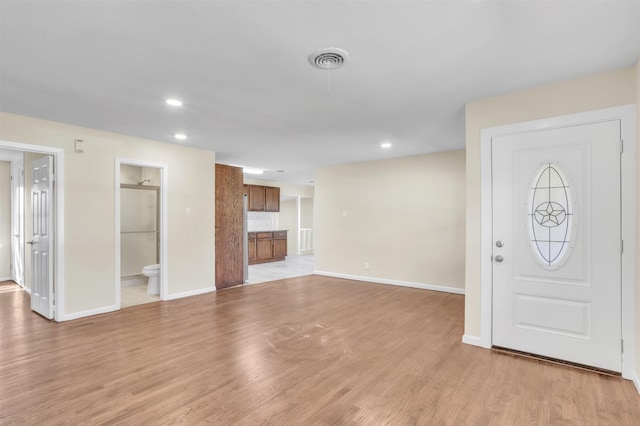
(58, 194)
(15, 217)
(164, 267)
(627, 116)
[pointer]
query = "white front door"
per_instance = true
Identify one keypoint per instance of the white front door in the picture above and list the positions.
(557, 243)
(17, 222)
(42, 238)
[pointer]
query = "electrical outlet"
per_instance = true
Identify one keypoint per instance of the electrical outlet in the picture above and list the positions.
(366, 265)
(344, 213)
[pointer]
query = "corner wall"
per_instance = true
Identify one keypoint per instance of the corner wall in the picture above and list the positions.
(404, 216)
(89, 203)
(600, 91)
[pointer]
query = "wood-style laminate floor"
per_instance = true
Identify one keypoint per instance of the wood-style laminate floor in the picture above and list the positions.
(301, 351)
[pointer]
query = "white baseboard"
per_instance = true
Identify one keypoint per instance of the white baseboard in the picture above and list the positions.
(189, 293)
(28, 290)
(5, 279)
(472, 340)
(636, 381)
(90, 312)
(392, 282)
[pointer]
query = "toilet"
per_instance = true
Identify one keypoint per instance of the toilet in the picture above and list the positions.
(153, 272)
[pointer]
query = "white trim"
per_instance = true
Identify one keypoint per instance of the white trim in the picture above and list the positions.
(298, 224)
(173, 296)
(422, 286)
(90, 312)
(6, 279)
(164, 217)
(58, 185)
(627, 116)
(636, 381)
(28, 290)
(472, 340)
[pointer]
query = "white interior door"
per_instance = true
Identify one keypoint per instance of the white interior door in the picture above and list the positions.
(17, 222)
(42, 238)
(557, 243)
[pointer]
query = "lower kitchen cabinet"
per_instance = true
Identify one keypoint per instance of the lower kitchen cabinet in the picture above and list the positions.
(267, 246)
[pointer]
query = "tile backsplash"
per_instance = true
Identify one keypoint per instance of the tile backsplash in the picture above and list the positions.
(262, 221)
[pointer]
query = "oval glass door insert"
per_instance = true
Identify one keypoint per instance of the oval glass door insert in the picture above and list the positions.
(550, 216)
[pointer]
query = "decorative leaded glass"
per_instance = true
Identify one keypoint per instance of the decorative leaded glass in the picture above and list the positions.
(550, 216)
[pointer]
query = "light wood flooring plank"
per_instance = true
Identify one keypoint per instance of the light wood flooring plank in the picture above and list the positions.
(307, 350)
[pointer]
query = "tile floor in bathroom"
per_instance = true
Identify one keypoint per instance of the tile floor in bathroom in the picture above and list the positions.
(136, 295)
(293, 266)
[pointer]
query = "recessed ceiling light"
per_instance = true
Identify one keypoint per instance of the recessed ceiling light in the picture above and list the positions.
(252, 171)
(174, 102)
(180, 136)
(385, 145)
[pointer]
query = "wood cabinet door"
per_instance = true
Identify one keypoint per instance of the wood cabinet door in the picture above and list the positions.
(257, 198)
(272, 195)
(252, 249)
(279, 248)
(264, 249)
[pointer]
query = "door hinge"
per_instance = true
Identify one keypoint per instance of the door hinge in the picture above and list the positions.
(621, 146)
(621, 345)
(621, 246)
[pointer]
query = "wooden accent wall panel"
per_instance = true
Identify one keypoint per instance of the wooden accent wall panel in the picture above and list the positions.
(229, 226)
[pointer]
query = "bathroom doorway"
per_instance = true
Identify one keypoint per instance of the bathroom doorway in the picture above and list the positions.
(140, 243)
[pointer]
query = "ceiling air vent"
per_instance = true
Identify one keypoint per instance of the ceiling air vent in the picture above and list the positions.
(329, 58)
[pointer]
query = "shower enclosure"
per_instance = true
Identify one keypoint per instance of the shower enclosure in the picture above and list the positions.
(139, 228)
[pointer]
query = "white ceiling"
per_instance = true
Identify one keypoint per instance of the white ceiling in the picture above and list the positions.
(249, 93)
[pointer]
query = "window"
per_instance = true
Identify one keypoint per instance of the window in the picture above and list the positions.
(550, 216)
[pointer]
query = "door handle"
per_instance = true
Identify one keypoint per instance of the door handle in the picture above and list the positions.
(499, 258)
(30, 242)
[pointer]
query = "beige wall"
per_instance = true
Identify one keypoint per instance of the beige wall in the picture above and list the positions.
(5, 219)
(405, 216)
(289, 221)
(567, 97)
(306, 212)
(89, 199)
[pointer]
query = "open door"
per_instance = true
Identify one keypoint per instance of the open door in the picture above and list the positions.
(42, 238)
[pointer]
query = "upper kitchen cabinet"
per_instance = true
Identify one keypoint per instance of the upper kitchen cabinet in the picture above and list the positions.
(257, 198)
(263, 198)
(272, 199)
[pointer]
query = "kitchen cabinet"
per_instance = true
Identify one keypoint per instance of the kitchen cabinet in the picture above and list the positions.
(267, 246)
(257, 198)
(252, 246)
(263, 198)
(272, 199)
(264, 245)
(279, 244)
